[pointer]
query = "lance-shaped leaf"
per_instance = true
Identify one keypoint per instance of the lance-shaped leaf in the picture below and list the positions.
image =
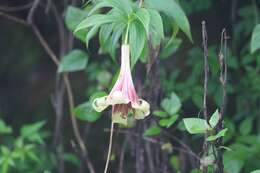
(137, 39)
(156, 27)
(144, 17)
(95, 20)
(172, 9)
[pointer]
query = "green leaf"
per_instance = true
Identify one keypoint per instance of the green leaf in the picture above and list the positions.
(30, 129)
(99, 5)
(4, 129)
(5, 150)
(175, 162)
(195, 125)
(255, 40)
(86, 112)
(72, 158)
(31, 132)
(172, 9)
(137, 39)
(74, 61)
(156, 27)
(214, 119)
(92, 32)
(171, 105)
(220, 134)
(95, 20)
(160, 113)
(123, 5)
(144, 17)
(104, 34)
(256, 171)
(171, 47)
(152, 131)
(73, 17)
(169, 122)
(232, 164)
(246, 126)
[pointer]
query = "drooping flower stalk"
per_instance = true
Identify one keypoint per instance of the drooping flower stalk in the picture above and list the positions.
(123, 97)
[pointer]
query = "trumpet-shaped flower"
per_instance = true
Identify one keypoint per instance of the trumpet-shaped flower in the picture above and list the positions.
(123, 97)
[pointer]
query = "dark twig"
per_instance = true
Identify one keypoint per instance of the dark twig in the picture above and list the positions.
(32, 11)
(17, 8)
(206, 68)
(13, 18)
(222, 57)
(206, 72)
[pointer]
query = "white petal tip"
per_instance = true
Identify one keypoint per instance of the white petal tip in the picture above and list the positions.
(100, 104)
(142, 109)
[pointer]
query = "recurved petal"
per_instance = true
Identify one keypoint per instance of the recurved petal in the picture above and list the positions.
(100, 104)
(141, 110)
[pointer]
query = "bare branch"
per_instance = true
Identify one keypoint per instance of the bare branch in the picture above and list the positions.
(206, 73)
(13, 18)
(17, 8)
(32, 10)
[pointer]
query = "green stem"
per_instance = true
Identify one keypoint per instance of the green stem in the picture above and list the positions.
(127, 32)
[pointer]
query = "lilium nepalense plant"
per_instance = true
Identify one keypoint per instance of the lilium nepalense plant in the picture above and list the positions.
(123, 97)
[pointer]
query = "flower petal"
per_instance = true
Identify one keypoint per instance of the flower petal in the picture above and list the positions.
(141, 110)
(117, 97)
(100, 104)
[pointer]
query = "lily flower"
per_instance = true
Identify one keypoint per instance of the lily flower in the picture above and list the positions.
(123, 97)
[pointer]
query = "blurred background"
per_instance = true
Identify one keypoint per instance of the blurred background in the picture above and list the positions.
(36, 134)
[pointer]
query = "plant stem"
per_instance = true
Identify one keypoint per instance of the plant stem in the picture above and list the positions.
(206, 72)
(127, 32)
(109, 147)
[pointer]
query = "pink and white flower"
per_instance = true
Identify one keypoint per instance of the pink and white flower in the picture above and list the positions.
(123, 97)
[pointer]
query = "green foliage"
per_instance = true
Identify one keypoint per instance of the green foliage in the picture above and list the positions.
(156, 27)
(31, 132)
(126, 20)
(196, 125)
(74, 61)
(4, 129)
(246, 126)
(160, 114)
(72, 19)
(171, 105)
(72, 158)
(177, 14)
(143, 16)
(220, 134)
(256, 171)
(255, 41)
(25, 150)
(168, 122)
(86, 112)
(214, 119)
(170, 47)
(152, 131)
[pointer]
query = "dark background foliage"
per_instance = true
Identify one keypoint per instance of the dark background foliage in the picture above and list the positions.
(28, 84)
